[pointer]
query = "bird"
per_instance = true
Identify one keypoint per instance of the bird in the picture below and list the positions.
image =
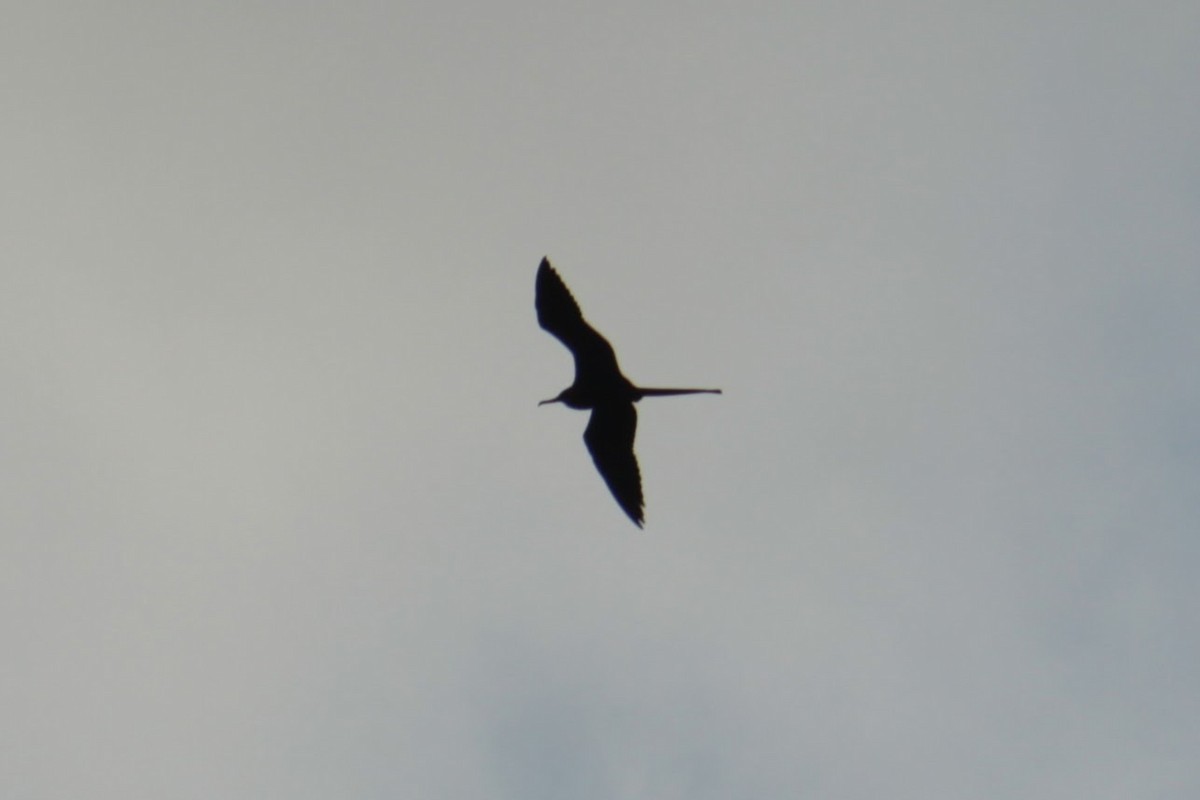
(599, 386)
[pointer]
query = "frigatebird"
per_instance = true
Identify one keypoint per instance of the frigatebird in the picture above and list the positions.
(600, 386)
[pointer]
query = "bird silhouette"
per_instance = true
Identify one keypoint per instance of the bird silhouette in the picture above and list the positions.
(600, 386)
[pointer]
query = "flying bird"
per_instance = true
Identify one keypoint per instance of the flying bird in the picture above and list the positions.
(600, 386)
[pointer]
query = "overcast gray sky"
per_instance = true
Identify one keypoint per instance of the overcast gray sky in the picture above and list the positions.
(279, 517)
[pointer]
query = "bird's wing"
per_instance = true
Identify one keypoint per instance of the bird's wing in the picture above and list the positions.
(609, 438)
(559, 314)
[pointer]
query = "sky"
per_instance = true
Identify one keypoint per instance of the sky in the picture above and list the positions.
(280, 517)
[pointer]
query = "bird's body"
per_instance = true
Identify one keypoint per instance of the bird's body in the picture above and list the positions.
(600, 386)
